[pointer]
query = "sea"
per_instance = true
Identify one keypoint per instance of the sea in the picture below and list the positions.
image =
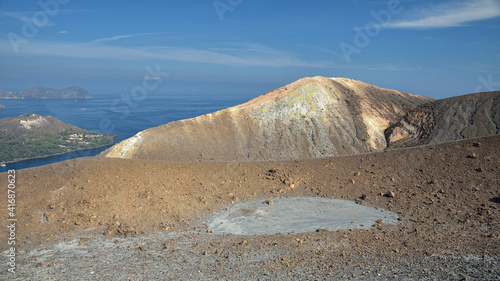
(116, 114)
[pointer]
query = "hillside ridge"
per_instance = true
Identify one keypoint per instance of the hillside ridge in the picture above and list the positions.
(309, 118)
(31, 136)
(456, 118)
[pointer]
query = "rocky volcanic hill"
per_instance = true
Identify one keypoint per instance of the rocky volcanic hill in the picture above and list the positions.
(46, 93)
(456, 118)
(32, 136)
(311, 117)
(30, 124)
(128, 219)
(131, 219)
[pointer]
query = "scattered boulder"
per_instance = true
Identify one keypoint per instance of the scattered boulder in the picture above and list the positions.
(389, 194)
(269, 202)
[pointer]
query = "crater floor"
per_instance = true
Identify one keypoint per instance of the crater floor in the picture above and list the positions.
(295, 214)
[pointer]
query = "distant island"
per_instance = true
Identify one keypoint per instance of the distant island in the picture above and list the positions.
(2, 106)
(47, 93)
(32, 136)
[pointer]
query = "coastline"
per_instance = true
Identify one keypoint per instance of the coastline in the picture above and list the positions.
(56, 154)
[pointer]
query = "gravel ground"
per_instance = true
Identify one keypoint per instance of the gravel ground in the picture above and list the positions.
(197, 255)
(98, 219)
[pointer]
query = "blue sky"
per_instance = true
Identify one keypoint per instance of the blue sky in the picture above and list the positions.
(248, 47)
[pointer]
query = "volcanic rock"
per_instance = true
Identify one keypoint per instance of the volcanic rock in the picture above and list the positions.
(456, 118)
(309, 118)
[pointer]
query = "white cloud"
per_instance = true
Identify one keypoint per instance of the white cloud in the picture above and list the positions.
(29, 17)
(451, 14)
(113, 38)
(241, 55)
(19, 15)
(233, 54)
(337, 54)
(63, 32)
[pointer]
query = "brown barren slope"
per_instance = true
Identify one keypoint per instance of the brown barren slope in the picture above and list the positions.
(447, 196)
(456, 118)
(309, 118)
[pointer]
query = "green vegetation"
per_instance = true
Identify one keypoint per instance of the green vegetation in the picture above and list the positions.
(13, 148)
(51, 137)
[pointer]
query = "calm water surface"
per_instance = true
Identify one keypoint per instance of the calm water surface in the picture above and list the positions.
(113, 114)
